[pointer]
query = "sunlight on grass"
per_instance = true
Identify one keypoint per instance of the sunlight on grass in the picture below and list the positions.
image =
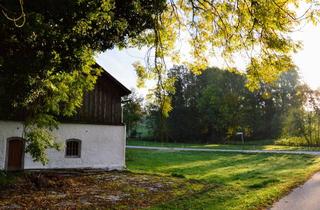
(252, 145)
(245, 181)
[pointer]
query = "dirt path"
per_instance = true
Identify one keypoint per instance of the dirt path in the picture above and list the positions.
(300, 152)
(305, 197)
(101, 190)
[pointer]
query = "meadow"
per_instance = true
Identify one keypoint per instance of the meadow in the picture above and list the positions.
(233, 180)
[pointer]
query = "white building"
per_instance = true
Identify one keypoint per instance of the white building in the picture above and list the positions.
(95, 138)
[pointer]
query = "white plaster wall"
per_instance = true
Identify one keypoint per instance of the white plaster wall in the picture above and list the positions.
(102, 146)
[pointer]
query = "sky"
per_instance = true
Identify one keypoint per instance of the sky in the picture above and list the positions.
(119, 63)
(308, 59)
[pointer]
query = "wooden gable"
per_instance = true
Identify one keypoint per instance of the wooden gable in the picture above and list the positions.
(102, 105)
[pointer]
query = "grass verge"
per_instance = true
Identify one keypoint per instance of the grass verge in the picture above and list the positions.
(242, 181)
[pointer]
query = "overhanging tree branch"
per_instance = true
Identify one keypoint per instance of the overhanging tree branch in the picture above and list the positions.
(18, 21)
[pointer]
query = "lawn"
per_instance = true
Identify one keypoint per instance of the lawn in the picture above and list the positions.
(250, 145)
(164, 180)
(235, 181)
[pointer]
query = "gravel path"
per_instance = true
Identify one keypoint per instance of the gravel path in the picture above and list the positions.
(228, 150)
(305, 197)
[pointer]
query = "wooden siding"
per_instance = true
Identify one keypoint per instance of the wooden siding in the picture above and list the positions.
(101, 105)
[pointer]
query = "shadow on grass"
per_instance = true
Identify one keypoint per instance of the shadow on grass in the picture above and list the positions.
(244, 180)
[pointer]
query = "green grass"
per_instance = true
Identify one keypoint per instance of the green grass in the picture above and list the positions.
(238, 181)
(296, 141)
(252, 145)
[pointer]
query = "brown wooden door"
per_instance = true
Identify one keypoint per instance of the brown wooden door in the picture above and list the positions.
(15, 154)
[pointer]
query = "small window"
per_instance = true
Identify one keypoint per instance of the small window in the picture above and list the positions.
(73, 148)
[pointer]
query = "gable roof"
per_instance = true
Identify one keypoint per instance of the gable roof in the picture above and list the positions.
(108, 77)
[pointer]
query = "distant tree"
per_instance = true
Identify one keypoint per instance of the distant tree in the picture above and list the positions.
(274, 101)
(132, 111)
(312, 116)
(156, 122)
(183, 121)
(213, 106)
(258, 30)
(221, 103)
(294, 123)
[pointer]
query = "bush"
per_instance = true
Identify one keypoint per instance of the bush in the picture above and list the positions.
(6, 179)
(293, 141)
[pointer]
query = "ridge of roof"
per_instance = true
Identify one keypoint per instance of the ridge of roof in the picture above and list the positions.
(104, 71)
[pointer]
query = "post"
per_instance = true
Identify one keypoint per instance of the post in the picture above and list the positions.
(241, 134)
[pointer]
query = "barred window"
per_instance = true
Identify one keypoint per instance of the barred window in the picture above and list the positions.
(73, 148)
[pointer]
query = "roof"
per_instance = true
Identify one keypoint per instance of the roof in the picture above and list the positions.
(124, 90)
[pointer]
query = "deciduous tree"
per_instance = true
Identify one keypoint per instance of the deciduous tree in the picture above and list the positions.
(49, 59)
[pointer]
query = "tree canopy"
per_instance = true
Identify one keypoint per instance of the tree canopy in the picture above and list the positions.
(46, 64)
(214, 106)
(258, 30)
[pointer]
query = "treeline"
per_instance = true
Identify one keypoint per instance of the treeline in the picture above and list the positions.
(214, 106)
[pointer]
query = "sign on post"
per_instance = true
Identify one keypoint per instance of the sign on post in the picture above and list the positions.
(241, 135)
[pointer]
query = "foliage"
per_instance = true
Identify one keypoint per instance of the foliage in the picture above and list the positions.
(5, 179)
(157, 122)
(292, 141)
(132, 112)
(214, 106)
(305, 121)
(259, 31)
(50, 60)
(38, 141)
(293, 124)
(55, 47)
(8, 179)
(238, 181)
(222, 103)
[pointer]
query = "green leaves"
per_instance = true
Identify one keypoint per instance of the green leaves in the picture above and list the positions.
(215, 105)
(48, 64)
(258, 32)
(38, 141)
(141, 73)
(61, 93)
(49, 60)
(132, 112)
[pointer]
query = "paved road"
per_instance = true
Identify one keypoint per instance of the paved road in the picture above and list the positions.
(227, 150)
(305, 197)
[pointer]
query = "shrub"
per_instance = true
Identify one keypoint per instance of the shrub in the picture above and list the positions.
(6, 179)
(293, 141)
